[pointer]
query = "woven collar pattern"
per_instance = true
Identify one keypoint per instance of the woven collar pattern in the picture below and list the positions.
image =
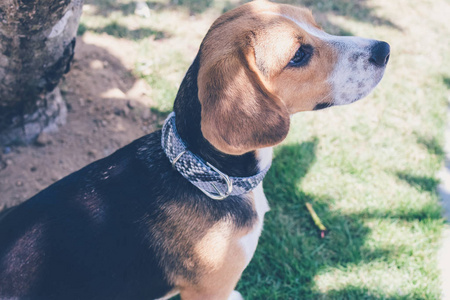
(200, 173)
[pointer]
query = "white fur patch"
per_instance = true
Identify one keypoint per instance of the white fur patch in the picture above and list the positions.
(264, 156)
(354, 76)
(235, 295)
(250, 241)
(169, 295)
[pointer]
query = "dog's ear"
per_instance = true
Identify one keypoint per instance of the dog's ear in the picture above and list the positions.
(239, 113)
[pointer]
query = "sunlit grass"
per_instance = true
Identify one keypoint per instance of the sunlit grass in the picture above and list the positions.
(369, 169)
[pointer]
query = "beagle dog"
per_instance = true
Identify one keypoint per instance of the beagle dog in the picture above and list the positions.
(180, 211)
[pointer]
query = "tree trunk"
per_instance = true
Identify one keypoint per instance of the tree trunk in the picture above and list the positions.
(37, 40)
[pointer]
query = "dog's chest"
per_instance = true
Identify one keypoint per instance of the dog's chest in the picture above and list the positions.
(240, 243)
(224, 246)
(250, 240)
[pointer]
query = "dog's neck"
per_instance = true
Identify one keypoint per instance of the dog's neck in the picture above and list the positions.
(187, 109)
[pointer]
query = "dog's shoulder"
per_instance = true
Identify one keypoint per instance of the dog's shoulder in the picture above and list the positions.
(131, 208)
(71, 232)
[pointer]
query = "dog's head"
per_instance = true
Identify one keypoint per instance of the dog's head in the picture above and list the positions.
(262, 62)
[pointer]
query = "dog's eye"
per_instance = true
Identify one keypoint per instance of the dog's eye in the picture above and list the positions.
(301, 57)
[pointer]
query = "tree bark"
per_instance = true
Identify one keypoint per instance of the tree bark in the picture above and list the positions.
(37, 40)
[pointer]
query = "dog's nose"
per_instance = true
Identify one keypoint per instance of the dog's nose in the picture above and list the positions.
(380, 52)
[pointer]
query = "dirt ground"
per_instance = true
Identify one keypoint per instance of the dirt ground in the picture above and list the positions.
(108, 107)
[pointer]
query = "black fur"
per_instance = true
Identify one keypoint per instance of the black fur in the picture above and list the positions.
(122, 227)
(187, 112)
(322, 106)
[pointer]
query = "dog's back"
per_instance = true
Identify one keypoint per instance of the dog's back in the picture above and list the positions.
(87, 236)
(125, 227)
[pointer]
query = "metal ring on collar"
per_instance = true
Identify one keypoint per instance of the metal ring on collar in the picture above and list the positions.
(227, 180)
(225, 177)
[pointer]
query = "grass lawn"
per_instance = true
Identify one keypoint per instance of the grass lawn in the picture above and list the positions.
(369, 169)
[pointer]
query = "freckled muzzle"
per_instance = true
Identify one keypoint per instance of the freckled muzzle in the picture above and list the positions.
(359, 68)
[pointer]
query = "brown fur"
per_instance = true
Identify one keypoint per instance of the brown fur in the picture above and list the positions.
(247, 92)
(222, 255)
(247, 95)
(245, 89)
(212, 261)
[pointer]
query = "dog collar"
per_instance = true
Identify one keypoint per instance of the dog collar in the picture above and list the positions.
(207, 178)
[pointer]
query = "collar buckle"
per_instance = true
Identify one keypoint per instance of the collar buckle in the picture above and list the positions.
(221, 195)
(224, 176)
(201, 173)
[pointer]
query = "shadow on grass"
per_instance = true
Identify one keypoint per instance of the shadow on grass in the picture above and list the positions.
(421, 183)
(355, 292)
(106, 7)
(428, 211)
(291, 253)
(194, 6)
(446, 81)
(359, 10)
(120, 31)
(432, 145)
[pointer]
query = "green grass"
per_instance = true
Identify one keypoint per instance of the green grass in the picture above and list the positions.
(369, 169)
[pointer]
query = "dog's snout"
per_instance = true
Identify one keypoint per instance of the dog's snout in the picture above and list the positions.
(380, 53)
